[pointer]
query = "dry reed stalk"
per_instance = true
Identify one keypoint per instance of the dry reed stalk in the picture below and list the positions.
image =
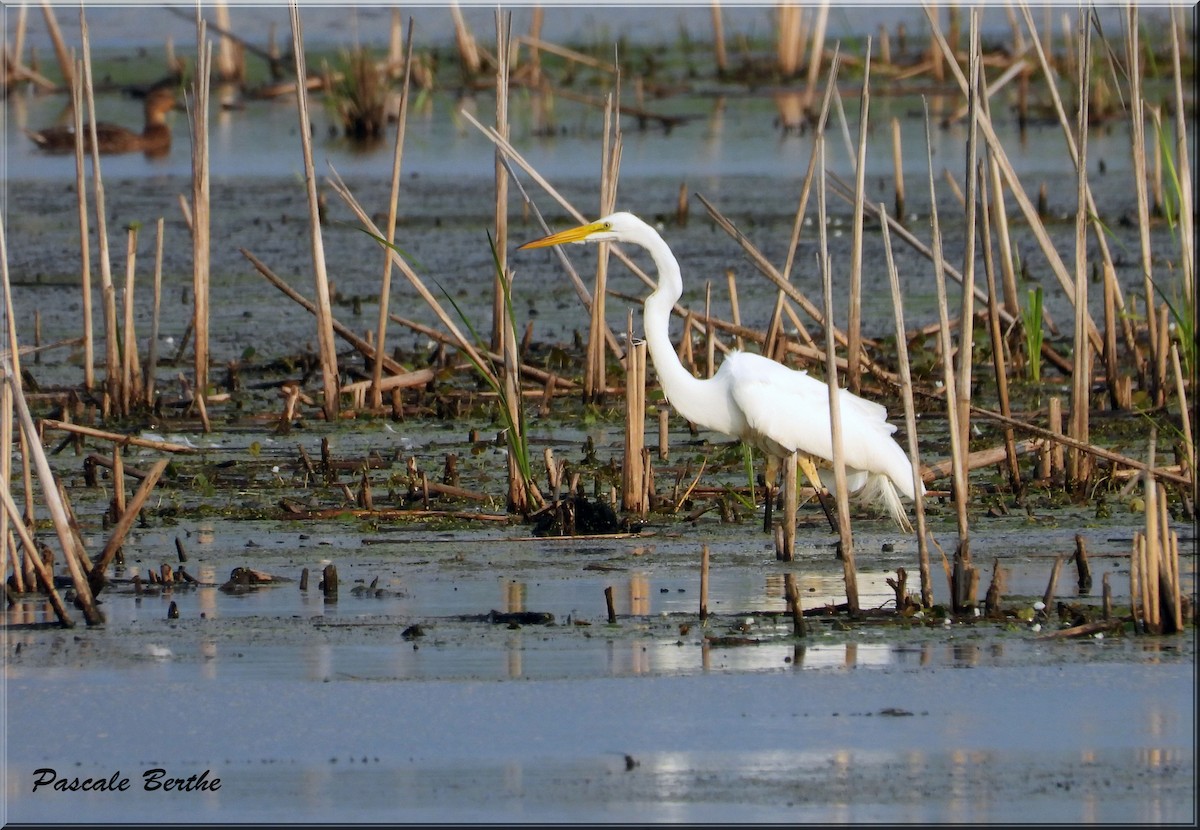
(468, 50)
(501, 280)
(130, 340)
(201, 225)
(13, 58)
(1156, 178)
(1137, 584)
(230, 64)
(65, 64)
(385, 286)
(845, 536)
(1081, 374)
(152, 352)
(979, 459)
(85, 265)
(734, 312)
(610, 164)
(1112, 376)
(684, 350)
(396, 53)
(326, 346)
(999, 365)
(817, 52)
(54, 503)
(124, 523)
(898, 168)
(1007, 266)
(854, 320)
(719, 39)
(1150, 576)
(535, 59)
(703, 583)
(76, 531)
(112, 359)
(957, 450)
(710, 338)
(634, 470)
(1161, 352)
(791, 593)
(118, 477)
(1037, 226)
(520, 497)
(966, 331)
(417, 377)
(910, 417)
(116, 437)
(594, 380)
(1070, 59)
(554, 473)
(534, 42)
(1052, 585)
(664, 419)
(788, 26)
(1055, 418)
(1138, 148)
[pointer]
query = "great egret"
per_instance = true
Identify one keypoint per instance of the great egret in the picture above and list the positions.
(773, 408)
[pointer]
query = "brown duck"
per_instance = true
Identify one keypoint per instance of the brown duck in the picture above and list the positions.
(153, 140)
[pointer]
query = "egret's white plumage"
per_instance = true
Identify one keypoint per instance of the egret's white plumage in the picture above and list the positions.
(773, 408)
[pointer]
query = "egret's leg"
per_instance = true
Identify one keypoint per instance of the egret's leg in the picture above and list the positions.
(810, 472)
(769, 476)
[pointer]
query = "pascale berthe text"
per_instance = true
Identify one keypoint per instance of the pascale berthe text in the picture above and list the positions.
(153, 780)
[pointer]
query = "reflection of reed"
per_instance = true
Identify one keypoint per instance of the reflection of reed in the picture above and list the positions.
(790, 105)
(206, 597)
(514, 596)
(513, 657)
(639, 594)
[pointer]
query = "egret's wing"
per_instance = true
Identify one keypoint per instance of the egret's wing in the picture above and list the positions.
(789, 409)
(784, 409)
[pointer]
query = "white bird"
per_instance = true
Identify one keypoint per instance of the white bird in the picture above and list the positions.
(776, 409)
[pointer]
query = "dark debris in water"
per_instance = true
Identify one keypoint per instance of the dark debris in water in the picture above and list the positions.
(242, 580)
(577, 516)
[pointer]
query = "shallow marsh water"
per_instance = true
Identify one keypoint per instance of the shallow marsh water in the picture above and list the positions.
(310, 710)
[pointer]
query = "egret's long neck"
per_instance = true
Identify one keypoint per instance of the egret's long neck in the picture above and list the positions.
(678, 384)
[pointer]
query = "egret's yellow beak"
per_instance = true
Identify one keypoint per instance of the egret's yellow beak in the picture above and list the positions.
(579, 234)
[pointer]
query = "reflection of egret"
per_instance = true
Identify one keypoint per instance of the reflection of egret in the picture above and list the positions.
(774, 408)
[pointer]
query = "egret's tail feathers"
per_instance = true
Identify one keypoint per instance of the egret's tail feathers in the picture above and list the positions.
(880, 490)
